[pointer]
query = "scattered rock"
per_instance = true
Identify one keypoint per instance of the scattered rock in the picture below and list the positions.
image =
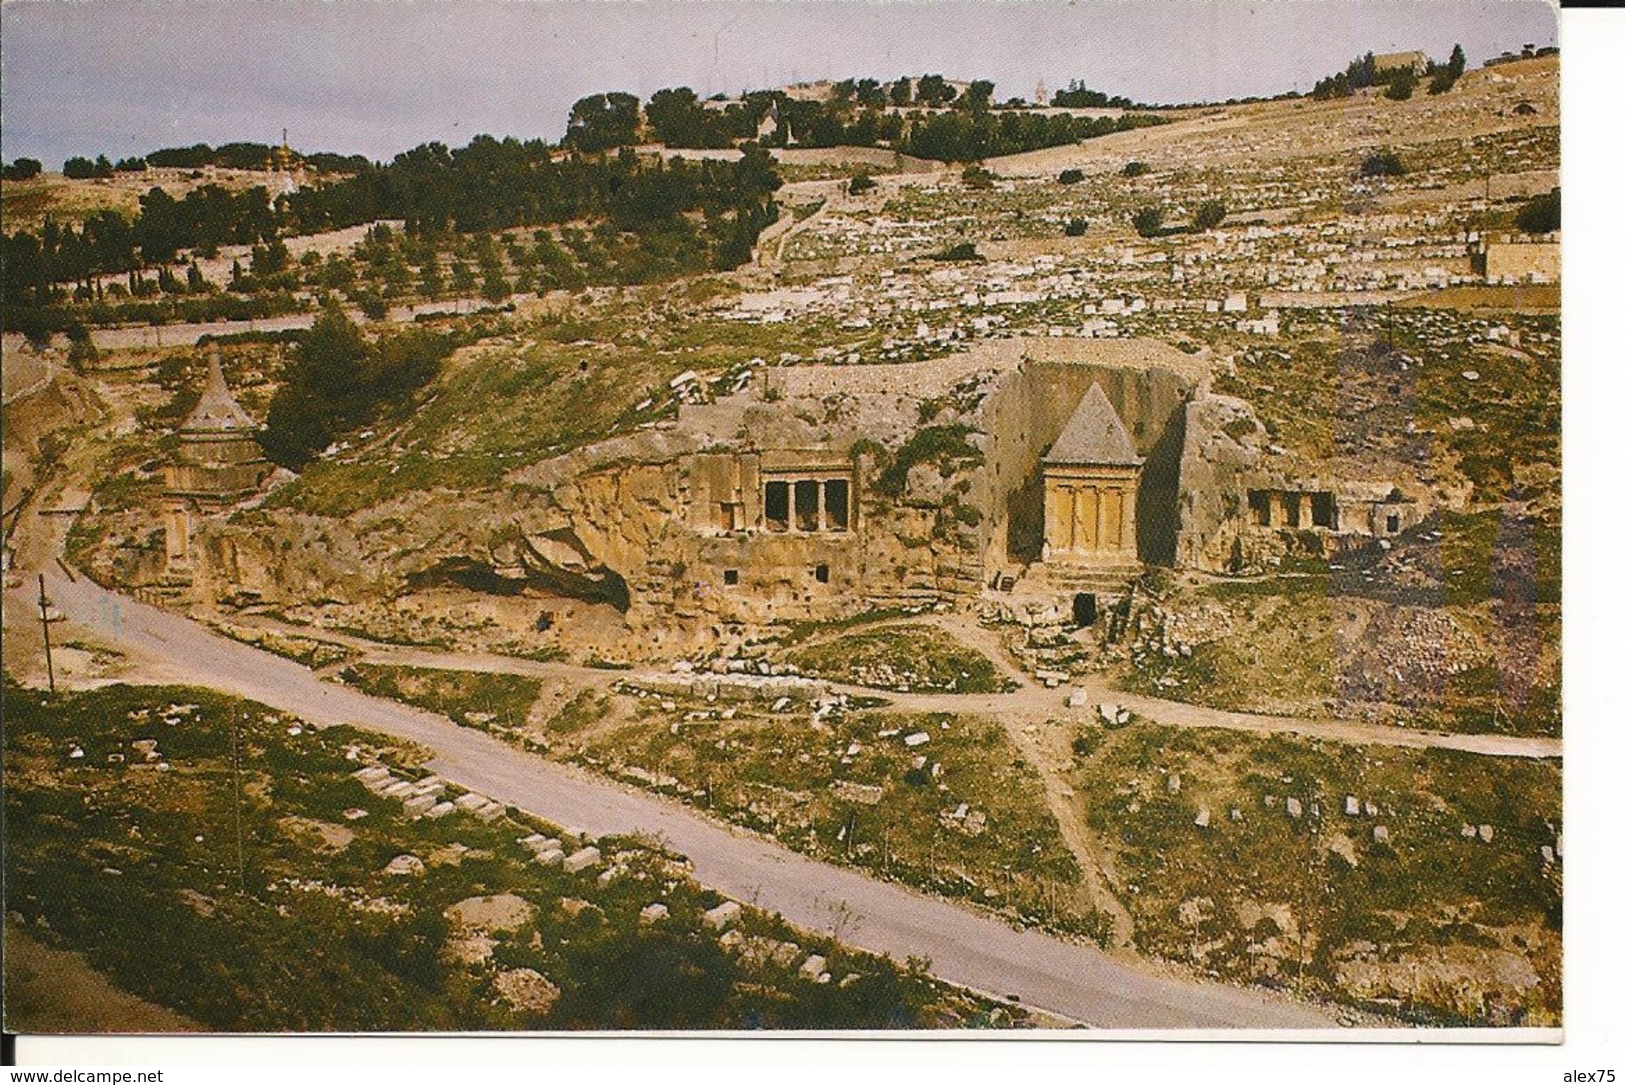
(502, 912)
(526, 989)
(862, 794)
(404, 864)
(723, 915)
(582, 860)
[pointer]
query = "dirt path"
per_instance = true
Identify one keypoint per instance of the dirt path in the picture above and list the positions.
(770, 245)
(1030, 703)
(1039, 751)
(53, 991)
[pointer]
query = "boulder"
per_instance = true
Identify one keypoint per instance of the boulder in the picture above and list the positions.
(723, 915)
(404, 864)
(582, 860)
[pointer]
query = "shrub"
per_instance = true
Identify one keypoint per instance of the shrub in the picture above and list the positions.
(1209, 215)
(1148, 221)
(977, 176)
(1071, 177)
(861, 183)
(1383, 163)
(372, 305)
(22, 169)
(1135, 169)
(965, 250)
(1077, 227)
(1541, 215)
(934, 444)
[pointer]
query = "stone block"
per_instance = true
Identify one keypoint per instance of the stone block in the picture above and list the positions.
(723, 915)
(585, 858)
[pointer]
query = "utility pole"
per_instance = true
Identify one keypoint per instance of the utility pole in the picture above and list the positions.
(45, 628)
(237, 807)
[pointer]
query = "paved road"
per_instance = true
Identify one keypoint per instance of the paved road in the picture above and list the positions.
(964, 947)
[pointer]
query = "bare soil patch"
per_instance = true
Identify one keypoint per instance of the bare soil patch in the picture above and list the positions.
(53, 991)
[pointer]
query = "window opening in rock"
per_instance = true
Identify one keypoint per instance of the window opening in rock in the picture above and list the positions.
(837, 498)
(1083, 609)
(777, 506)
(1258, 506)
(807, 505)
(1323, 510)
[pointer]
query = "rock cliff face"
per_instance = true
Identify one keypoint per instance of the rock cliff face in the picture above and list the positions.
(1302, 510)
(1147, 385)
(845, 488)
(1223, 447)
(659, 537)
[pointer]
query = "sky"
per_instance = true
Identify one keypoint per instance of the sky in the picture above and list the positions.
(375, 77)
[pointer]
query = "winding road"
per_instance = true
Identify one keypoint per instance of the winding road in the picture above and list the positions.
(964, 947)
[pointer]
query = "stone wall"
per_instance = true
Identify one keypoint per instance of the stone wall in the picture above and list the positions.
(1523, 261)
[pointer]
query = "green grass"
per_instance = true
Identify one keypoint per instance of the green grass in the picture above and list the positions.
(919, 657)
(558, 384)
(1287, 651)
(1294, 397)
(777, 776)
(579, 712)
(1427, 889)
(305, 650)
(495, 702)
(137, 869)
(805, 630)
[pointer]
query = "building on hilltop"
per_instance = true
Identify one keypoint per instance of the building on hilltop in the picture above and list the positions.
(219, 463)
(1414, 59)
